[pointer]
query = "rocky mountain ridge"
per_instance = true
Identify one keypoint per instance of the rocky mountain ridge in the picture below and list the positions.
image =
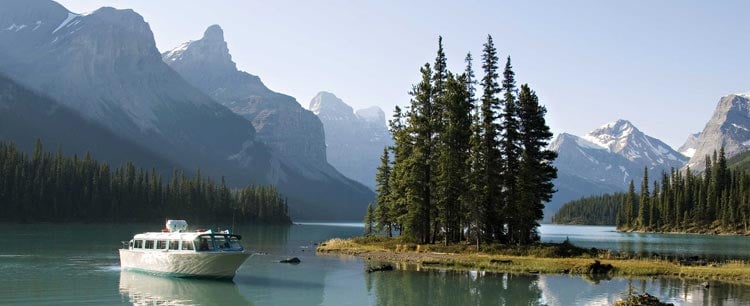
(354, 140)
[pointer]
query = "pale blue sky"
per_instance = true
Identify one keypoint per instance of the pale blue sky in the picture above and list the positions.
(661, 64)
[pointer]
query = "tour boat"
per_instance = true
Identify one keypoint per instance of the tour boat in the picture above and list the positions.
(181, 253)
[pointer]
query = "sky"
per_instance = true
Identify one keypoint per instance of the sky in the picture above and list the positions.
(663, 65)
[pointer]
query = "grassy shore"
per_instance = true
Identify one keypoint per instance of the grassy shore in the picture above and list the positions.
(547, 258)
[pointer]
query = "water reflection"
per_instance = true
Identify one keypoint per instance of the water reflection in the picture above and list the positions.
(435, 287)
(145, 289)
(453, 288)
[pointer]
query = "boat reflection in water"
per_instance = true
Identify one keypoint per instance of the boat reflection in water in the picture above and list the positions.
(146, 289)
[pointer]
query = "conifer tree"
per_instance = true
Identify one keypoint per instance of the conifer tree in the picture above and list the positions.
(536, 170)
(383, 213)
(490, 179)
(421, 160)
(476, 191)
(510, 148)
(369, 220)
(644, 207)
(454, 153)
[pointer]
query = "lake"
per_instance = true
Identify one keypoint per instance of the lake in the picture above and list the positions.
(75, 264)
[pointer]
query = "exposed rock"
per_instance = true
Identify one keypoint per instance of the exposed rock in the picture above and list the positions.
(294, 135)
(729, 126)
(354, 141)
(105, 66)
(293, 260)
(688, 148)
(376, 268)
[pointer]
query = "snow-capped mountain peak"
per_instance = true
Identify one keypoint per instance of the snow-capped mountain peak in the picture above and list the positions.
(623, 138)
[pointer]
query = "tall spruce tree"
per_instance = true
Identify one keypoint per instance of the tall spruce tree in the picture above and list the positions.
(454, 153)
(476, 191)
(536, 170)
(422, 160)
(438, 123)
(511, 152)
(490, 180)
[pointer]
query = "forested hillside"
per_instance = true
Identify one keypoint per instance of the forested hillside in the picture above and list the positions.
(714, 201)
(46, 187)
(594, 210)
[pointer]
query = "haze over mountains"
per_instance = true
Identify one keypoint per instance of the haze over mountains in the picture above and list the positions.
(96, 82)
(606, 160)
(354, 140)
(104, 66)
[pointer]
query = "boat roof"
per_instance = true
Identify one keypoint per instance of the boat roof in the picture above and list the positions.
(176, 235)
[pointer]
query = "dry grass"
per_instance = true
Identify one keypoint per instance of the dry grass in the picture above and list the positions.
(541, 258)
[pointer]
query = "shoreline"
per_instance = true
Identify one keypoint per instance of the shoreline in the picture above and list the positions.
(704, 232)
(389, 250)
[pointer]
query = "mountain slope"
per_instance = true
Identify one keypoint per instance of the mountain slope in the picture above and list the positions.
(26, 116)
(105, 66)
(354, 141)
(294, 134)
(729, 126)
(606, 160)
(688, 148)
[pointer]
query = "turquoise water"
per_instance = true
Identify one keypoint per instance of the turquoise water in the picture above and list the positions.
(78, 265)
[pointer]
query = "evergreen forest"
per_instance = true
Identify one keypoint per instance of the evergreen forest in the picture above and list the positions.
(594, 210)
(469, 164)
(46, 187)
(714, 201)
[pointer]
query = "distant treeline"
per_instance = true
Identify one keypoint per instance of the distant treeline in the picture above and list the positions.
(716, 201)
(46, 187)
(594, 210)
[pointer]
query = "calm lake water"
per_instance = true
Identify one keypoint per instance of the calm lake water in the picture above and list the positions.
(78, 264)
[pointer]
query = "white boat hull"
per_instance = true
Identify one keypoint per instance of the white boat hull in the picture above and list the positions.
(183, 263)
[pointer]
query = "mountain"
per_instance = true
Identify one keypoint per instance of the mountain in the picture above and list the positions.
(26, 116)
(606, 160)
(688, 148)
(729, 126)
(354, 141)
(294, 135)
(105, 66)
(622, 138)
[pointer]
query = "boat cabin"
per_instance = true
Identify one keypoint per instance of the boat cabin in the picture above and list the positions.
(194, 242)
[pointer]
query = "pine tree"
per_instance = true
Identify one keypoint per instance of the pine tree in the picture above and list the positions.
(510, 149)
(369, 220)
(421, 160)
(536, 170)
(454, 153)
(644, 207)
(490, 179)
(475, 162)
(382, 201)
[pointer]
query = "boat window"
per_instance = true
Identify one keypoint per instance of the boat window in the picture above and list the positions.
(161, 244)
(234, 244)
(221, 242)
(204, 243)
(187, 245)
(138, 244)
(149, 244)
(174, 244)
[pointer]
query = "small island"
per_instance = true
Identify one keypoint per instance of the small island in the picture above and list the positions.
(544, 258)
